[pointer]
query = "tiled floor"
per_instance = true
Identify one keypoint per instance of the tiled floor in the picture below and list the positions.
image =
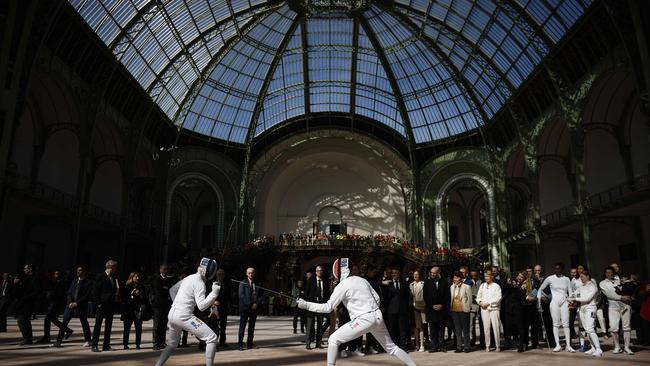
(277, 346)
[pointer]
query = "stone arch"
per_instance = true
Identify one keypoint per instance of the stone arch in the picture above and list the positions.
(484, 185)
(216, 190)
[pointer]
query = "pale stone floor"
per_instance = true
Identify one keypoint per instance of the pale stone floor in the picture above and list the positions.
(277, 346)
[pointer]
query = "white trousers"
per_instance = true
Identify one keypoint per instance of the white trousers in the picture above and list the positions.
(367, 323)
(491, 318)
(587, 316)
(617, 314)
(560, 314)
(176, 324)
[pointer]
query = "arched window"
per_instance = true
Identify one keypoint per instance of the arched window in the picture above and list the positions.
(330, 220)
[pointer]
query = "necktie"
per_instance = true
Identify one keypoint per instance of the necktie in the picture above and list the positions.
(4, 288)
(320, 289)
(76, 290)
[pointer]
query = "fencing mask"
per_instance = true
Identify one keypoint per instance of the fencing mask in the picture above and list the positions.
(207, 268)
(341, 268)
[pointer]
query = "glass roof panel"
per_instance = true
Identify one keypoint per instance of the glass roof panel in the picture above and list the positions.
(455, 62)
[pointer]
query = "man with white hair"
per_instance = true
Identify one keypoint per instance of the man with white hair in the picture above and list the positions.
(362, 303)
(190, 294)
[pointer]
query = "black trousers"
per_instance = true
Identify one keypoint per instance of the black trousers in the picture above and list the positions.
(297, 315)
(24, 320)
(103, 313)
(83, 319)
(248, 317)
(548, 324)
(4, 304)
(514, 327)
(461, 329)
(437, 333)
(222, 322)
(314, 323)
(52, 317)
(159, 326)
(127, 331)
(398, 328)
(531, 322)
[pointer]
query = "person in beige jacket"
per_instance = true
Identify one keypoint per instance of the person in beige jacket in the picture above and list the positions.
(461, 303)
(489, 299)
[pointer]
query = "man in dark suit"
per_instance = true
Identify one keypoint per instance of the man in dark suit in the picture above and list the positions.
(316, 290)
(397, 309)
(78, 296)
(5, 299)
(223, 306)
(161, 302)
(27, 292)
(56, 296)
(436, 298)
(106, 293)
(250, 302)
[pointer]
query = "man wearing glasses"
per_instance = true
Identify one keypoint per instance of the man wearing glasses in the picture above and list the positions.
(317, 291)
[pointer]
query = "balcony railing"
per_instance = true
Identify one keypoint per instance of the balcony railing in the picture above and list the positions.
(599, 201)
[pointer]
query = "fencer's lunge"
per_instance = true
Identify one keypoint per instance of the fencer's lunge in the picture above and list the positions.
(559, 306)
(586, 296)
(191, 293)
(362, 303)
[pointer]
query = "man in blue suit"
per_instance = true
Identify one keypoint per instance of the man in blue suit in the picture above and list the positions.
(250, 301)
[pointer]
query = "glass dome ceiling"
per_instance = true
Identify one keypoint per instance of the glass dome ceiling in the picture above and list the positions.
(428, 69)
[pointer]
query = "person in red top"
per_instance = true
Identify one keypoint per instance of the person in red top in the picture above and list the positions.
(644, 327)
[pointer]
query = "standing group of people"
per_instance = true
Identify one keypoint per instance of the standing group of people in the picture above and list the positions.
(486, 308)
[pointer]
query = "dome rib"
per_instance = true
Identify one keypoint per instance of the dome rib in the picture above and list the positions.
(370, 33)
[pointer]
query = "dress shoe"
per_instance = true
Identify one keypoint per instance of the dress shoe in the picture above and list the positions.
(56, 345)
(68, 333)
(319, 345)
(126, 346)
(156, 348)
(26, 342)
(95, 349)
(458, 350)
(466, 350)
(520, 348)
(137, 347)
(251, 346)
(308, 346)
(295, 331)
(240, 347)
(108, 349)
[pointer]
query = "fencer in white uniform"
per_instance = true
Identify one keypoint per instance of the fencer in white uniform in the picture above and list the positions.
(619, 310)
(362, 303)
(586, 296)
(190, 294)
(576, 283)
(559, 306)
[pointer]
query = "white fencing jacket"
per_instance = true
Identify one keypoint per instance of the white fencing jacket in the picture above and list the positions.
(354, 292)
(191, 293)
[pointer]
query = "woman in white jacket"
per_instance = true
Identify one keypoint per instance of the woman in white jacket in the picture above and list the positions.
(489, 299)
(419, 313)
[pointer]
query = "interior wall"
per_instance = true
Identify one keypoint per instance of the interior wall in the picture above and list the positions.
(333, 172)
(106, 190)
(554, 187)
(59, 167)
(603, 163)
(605, 241)
(640, 142)
(558, 250)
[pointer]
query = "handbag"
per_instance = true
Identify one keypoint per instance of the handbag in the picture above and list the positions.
(144, 313)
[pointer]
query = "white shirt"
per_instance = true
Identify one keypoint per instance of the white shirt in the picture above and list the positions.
(560, 287)
(354, 292)
(609, 289)
(576, 283)
(191, 293)
(586, 295)
(489, 294)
